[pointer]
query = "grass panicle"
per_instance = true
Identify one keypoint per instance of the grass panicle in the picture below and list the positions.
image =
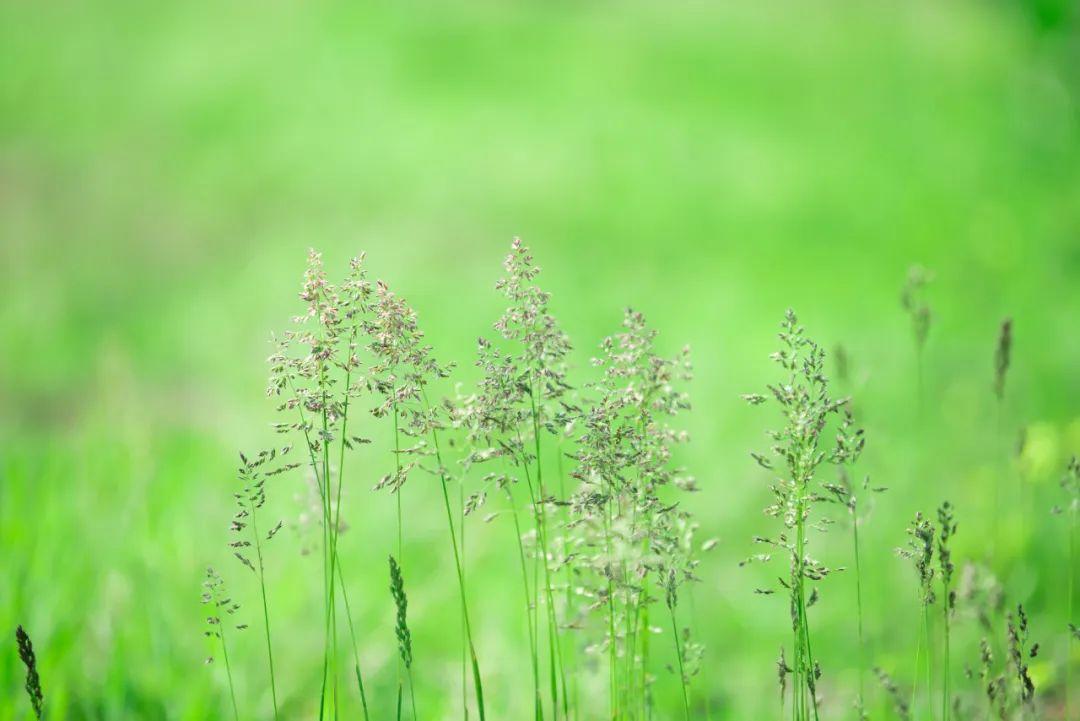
(219, 619)
(799, 449)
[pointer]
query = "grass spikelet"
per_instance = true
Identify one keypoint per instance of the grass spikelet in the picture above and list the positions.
(401, 630)
(33, 680)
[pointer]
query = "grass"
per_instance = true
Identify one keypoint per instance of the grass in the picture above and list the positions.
(629, 516)
(158, 198)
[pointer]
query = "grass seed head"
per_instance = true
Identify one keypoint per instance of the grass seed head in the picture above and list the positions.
(401, 603)
(33, 680)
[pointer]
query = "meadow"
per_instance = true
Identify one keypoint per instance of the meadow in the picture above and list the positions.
(164, 172)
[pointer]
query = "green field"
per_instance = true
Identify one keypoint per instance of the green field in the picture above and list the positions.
(164, 171)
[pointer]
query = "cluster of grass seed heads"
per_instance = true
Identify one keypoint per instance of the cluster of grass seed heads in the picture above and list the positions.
(920, 551)
(913, 300)
(216, 597)
(1020, 653)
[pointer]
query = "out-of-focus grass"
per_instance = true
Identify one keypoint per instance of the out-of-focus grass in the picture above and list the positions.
(163, 170)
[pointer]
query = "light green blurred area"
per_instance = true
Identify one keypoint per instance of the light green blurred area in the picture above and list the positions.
(163, 171)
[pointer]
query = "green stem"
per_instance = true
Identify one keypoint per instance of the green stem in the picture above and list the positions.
(352, 637)
(538, 712)
(929, 663)
(265, 605)
(228, 669)
(459, 566)
(412, 695)
(945, 700)
(1070, 590)
(320, 482)
(918, 654)
(682, 671)
(859, 609)
(554, 644)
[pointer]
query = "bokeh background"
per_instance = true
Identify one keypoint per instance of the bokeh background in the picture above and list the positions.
(165, 167)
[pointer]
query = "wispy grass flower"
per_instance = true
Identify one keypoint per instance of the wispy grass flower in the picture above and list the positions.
(315, 371)
(250, 499)
(799, 450)
(219, 619)
(524, 378)
(920, 550)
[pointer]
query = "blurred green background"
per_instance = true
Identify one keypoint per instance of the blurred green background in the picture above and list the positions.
(164, 168)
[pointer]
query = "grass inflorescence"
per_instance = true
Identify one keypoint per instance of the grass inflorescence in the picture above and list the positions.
(583, 467)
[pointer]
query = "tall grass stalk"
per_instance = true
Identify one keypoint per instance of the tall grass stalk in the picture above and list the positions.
(799, 448)
(859, 606)
(946, 532)
(308, 366)
(250, 499)
(920, 550)
(459, 566)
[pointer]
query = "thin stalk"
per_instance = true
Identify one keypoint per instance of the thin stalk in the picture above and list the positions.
(465, 634)
(1070, 590)
(682, 671)
(320, 479)
(397, 502)
(554, 644)
(612, 643)
(328, 525)
(459, 566)
(945, 662)
(538, 711)
(228, 669)
(335, 560)
(929, 663)
(265, 605)
(696, 625)
(803, 623)
(918, 654)
(573, 690)
(352, 637)
(859, 609)
(412, 695)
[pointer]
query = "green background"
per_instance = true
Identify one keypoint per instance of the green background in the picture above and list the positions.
(163, 171)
